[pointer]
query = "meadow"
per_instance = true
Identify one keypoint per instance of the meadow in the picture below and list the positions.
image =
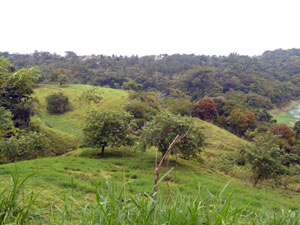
(284, 116)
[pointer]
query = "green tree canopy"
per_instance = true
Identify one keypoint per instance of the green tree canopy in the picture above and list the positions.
(62, 79)
(265, 157)
(161, 131)
(15, 90)
(102, 129)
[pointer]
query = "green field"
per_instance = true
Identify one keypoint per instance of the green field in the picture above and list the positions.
(284, 116)
(79, 171)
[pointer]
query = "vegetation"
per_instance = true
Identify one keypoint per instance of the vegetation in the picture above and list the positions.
(102, 129)
(89, 96)
(57, 103)
(157, 110)
(165, 127)
(284, 131)
(260, 82)
(15, 205)
(62, 79)
(265, 158)
(15, 91)
(24, 146)
(207, 109)
(5, 122)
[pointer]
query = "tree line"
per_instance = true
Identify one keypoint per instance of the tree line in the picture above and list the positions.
(265, 81)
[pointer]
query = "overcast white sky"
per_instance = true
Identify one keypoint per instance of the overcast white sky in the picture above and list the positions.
(143, 27)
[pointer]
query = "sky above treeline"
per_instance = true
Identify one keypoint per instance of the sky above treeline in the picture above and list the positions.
(149, 27)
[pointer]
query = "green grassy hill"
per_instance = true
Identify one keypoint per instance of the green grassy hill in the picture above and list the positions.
(79, 170)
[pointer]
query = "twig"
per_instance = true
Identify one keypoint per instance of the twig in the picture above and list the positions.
(167, 153)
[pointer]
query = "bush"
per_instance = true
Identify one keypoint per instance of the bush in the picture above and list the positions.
(27, 146)
(57, 103)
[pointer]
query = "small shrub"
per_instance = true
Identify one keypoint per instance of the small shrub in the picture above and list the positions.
(57, 103)
(91, 95)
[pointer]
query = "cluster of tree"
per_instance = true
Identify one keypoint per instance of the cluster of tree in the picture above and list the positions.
(17, 139)
(260, 81)
(275, 151)
(102, 129)
(230, 115)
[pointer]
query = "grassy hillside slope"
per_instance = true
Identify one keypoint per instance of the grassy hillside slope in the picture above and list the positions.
(218, 140)
(79, 170)
(77, 174)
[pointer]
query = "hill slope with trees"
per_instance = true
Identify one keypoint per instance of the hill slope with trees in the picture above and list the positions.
(265, 81)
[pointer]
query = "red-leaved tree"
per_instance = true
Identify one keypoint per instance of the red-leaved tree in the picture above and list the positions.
(207, 108)
(284, 130)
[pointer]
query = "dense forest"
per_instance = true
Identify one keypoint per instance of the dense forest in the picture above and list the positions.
(265, 81)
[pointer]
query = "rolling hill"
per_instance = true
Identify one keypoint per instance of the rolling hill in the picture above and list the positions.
(79, 169)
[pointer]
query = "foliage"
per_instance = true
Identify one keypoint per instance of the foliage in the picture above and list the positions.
(5, 121)
(141, 113)
(15, 204)
(264, 81)
(179, 106)
(15, 91)
(257, 101)
(91, 95)
(161, 131)
(241, 120)
(265, 157)
(62, 79)
(201, 82)
(283, 130)
(24, 146)
(57, 103)
(207, 109)
(296, 129)
(112, 205)
(102, 129)
(132, 85)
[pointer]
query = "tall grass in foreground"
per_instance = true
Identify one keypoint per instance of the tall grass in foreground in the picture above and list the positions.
(15, 203)
(116, 207)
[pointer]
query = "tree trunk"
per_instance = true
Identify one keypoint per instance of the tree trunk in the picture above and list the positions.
(102, 152)
(255, 181)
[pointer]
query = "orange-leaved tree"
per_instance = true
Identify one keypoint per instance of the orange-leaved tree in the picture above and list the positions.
(284, 130)
(207, 108)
